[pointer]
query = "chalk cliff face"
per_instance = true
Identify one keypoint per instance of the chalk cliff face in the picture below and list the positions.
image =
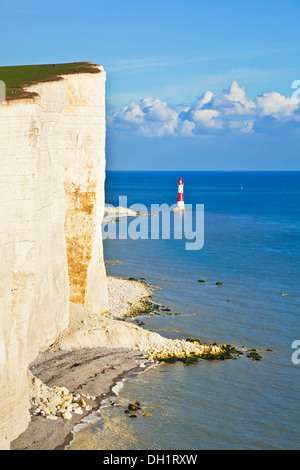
(52, 150)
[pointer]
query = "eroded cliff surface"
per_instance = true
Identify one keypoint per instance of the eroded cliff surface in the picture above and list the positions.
(52, 150)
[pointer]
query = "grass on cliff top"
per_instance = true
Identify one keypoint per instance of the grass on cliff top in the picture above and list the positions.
(17, 77)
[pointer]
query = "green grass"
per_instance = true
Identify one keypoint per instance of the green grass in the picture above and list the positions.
(17, 77)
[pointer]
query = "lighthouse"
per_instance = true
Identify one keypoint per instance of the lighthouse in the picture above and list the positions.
(180, 199)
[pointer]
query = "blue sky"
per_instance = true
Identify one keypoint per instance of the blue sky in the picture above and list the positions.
(195, 85)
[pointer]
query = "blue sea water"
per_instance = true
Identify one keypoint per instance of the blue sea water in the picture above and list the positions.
(251, 245)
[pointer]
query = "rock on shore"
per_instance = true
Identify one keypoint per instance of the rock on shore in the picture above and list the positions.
(63, 379)
(72, 377)
(126, 296)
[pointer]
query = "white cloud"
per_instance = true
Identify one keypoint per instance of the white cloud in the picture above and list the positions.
(276, 105)
(234, 101)
(148, 116)
(231, 111)
(206, 117)
(186, 128)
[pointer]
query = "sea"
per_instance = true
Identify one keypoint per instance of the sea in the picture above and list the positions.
(251, 244)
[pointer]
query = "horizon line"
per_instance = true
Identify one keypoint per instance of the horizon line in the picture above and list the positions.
(212, 171)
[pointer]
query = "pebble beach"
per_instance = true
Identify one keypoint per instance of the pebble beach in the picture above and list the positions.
(70, 382)
(73, 377)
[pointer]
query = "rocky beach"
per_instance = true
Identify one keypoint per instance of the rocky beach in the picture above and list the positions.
(71, 378)
(68, 382)
(83, 378)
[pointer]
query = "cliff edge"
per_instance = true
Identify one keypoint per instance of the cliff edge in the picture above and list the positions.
(52, 148)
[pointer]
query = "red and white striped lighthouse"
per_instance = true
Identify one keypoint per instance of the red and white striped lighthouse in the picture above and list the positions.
(180, 198)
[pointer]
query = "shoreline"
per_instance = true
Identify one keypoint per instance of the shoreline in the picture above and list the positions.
(90, 371)
(97, 371)
(106, 401)
(103, 402)
(114, 214)
(71, 379)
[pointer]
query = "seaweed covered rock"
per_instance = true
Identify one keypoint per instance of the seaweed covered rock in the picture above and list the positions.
(253, 355)
(134, 406)
(190, 350)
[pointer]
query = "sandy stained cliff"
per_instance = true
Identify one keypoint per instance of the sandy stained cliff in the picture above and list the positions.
(52, 175)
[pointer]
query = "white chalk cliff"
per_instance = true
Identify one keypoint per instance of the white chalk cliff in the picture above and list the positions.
(52, 149)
